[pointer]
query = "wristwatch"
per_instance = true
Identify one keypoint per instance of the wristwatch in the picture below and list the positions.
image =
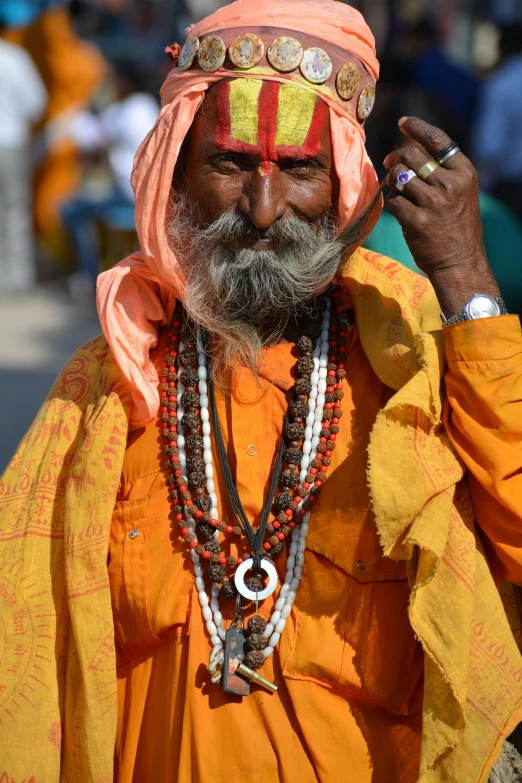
(479, 306)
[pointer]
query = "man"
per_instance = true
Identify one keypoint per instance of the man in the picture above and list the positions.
(159, 625)
(23, 100)
(72, 70)
(494, 128)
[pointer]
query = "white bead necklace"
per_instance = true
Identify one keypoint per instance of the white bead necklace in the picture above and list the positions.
(283, 606)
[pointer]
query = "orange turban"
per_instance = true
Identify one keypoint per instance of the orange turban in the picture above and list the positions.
(137, 296)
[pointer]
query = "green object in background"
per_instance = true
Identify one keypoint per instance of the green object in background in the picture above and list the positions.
(502, 235)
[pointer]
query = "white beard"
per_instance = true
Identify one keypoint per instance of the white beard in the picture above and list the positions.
(244, 299)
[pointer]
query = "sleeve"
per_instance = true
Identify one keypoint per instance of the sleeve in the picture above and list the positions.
(483, 417)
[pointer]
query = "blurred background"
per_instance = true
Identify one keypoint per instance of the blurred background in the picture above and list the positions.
(78, 92)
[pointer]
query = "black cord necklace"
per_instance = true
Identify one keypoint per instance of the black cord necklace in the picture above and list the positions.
(255, 537)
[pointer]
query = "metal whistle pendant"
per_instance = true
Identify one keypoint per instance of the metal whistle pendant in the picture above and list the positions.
(255, 677)
(236, 677)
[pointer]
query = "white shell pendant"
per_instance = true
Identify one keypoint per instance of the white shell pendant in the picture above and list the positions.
(239, 579)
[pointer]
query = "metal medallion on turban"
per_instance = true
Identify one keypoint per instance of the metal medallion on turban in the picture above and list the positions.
(188, 54)
(366, 102)
(285, 54)
(246, 50)
(211, 54)
(316, 65)
(347, 81)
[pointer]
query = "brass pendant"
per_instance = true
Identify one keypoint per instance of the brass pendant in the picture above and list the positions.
(255, 677)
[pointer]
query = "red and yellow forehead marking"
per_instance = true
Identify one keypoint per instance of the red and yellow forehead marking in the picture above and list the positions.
(269, 119)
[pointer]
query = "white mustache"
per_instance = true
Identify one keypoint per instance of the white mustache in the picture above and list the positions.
(231, 226)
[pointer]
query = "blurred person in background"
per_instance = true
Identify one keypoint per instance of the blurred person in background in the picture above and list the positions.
(23, 100)
(454, 85)
(72, 70)
(497, 147)
(419, 79)
(117, 133)
(269, 397)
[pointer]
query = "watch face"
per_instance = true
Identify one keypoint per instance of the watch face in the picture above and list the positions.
(483, 307)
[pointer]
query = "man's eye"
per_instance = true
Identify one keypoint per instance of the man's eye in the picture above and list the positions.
(230, 161)
(299, 166)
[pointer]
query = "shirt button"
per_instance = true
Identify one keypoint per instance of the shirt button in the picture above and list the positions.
(360, 564)
(251, 451)
(134, 533)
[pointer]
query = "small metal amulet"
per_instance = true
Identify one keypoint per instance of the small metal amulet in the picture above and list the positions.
(234, 654)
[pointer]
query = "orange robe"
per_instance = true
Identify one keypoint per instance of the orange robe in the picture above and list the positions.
(348, 667)
(98, 655)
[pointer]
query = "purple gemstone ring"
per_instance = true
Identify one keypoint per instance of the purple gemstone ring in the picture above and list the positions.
(403, 179)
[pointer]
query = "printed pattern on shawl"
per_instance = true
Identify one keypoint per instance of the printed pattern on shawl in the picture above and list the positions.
(57, 668)
(473, 668)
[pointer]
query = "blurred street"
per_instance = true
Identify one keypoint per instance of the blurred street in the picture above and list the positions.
(38, 333)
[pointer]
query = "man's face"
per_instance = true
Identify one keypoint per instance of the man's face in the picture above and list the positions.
(262, 150)
(250, 219)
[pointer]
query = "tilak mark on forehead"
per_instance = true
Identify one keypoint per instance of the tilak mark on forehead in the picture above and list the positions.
(269, 119)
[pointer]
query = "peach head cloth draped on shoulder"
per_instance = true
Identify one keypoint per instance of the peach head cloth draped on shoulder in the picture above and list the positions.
(138, 295)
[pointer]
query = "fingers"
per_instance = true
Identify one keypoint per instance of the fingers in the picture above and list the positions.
(440, 216)
(401, 209)
(414, 190)
(408, 154)
(433, 139)
(413, 157)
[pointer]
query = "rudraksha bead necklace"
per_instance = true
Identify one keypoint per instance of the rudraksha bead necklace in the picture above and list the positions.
(314, 416)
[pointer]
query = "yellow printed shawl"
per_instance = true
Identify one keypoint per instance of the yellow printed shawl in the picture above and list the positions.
(57, 664)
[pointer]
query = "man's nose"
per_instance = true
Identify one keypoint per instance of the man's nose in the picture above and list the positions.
(264, 197)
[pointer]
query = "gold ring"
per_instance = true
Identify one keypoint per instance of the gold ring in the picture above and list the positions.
(427, 170)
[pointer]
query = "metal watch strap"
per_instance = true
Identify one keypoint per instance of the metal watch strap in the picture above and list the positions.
(502, 305)
(460, 317)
